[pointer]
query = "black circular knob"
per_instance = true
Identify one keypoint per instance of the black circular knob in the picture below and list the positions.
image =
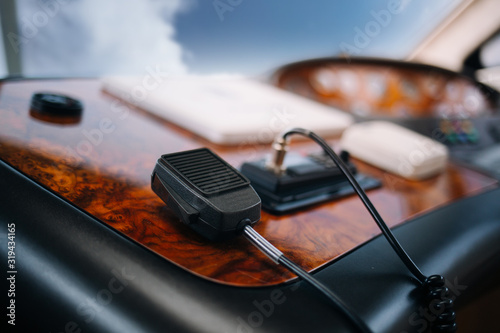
(56, 104)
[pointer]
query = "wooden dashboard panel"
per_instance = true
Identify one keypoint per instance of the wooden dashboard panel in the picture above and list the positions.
(102, 163)
(371, 87)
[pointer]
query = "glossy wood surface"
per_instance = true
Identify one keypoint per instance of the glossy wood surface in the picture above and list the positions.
(103, 161)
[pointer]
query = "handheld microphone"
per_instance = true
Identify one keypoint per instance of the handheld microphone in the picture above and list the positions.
(206, 193)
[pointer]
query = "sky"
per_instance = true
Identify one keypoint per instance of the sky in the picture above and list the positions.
(266, 34)
(250, 37)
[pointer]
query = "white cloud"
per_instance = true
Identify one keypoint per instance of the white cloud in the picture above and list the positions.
(93, 37)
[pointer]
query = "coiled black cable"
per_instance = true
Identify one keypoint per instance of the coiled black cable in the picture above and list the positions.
(438, 298)
(437, 295)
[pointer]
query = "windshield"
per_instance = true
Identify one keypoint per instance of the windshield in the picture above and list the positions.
(67, 38)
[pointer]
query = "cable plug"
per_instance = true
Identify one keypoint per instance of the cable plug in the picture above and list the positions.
(280, 148)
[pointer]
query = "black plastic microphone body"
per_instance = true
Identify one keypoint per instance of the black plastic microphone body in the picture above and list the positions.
(206, 193)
